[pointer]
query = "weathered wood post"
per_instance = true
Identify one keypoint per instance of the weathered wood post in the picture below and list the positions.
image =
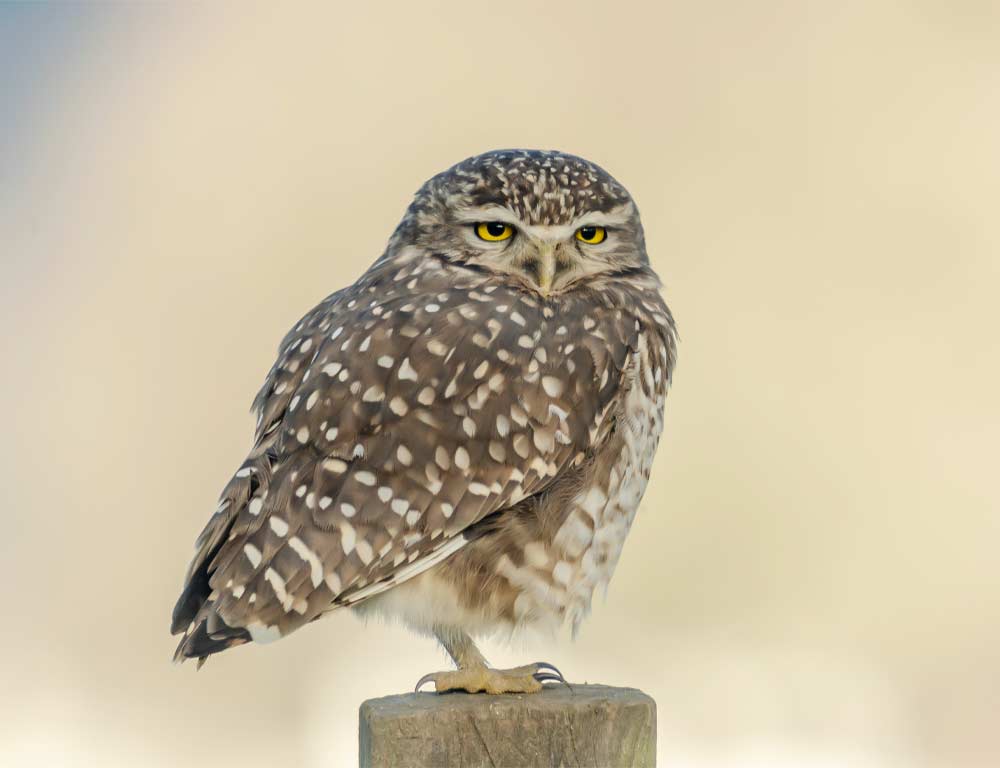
(586, 726)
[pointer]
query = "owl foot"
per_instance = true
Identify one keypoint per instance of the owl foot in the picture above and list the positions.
(526, 679)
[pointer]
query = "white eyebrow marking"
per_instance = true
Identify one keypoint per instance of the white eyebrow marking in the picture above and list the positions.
(549, 233)
(616, 217)
(488, 213)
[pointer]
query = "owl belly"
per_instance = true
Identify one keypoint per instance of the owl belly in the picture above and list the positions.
(553, 577)
(526, 571)
(593, 534)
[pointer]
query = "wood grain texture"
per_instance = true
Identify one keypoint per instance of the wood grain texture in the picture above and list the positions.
(588, 726)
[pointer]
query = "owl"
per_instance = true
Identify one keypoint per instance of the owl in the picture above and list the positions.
(461, 439)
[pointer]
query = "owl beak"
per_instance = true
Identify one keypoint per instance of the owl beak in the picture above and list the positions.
(546, 269)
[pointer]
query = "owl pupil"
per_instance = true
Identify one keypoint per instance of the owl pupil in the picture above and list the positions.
(496, 229)
(588, 233)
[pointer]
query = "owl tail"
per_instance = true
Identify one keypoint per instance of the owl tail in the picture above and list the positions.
(204, 631)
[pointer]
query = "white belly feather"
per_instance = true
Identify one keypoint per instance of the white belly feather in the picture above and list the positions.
(612, 514)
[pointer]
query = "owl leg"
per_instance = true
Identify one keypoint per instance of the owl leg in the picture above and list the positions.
(475, 675)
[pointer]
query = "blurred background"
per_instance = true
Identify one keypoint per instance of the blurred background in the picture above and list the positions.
(812, 580)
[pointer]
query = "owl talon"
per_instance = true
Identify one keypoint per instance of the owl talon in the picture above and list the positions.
(423, 680)
(545, 667)
(544, 677)
(548, 672)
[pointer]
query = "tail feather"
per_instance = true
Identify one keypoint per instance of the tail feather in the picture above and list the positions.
(207, 636)
(204, 631)
(196, 587)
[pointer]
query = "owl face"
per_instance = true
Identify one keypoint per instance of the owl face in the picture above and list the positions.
(546, 222)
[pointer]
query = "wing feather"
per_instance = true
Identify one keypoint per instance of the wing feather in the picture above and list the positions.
(398, 413)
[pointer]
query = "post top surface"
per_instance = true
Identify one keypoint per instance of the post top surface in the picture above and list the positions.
(553, 697)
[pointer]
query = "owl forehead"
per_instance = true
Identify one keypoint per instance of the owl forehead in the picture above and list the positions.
(543, 188)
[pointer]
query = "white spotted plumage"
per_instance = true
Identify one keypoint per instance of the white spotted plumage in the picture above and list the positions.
(455, 439)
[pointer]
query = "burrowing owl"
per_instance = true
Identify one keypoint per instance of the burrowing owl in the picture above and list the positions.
(462, 437)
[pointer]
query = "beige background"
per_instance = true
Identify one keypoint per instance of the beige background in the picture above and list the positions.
(812, 580)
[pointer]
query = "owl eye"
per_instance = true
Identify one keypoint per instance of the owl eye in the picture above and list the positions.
(494, 231)
(591, 235)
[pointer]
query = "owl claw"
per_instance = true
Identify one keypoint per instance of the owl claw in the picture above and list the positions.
(424, 680)
(545, 667)
(543, 674)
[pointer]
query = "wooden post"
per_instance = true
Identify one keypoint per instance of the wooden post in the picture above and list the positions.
(586, 726)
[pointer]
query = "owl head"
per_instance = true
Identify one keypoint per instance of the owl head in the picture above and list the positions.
(545, 221)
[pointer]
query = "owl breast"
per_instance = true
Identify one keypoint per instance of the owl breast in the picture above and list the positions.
(538, 563)
(594, 531)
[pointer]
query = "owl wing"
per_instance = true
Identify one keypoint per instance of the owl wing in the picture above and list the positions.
(386, 428)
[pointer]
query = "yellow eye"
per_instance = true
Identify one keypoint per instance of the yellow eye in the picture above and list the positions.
(592, 235)
(494, 231)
